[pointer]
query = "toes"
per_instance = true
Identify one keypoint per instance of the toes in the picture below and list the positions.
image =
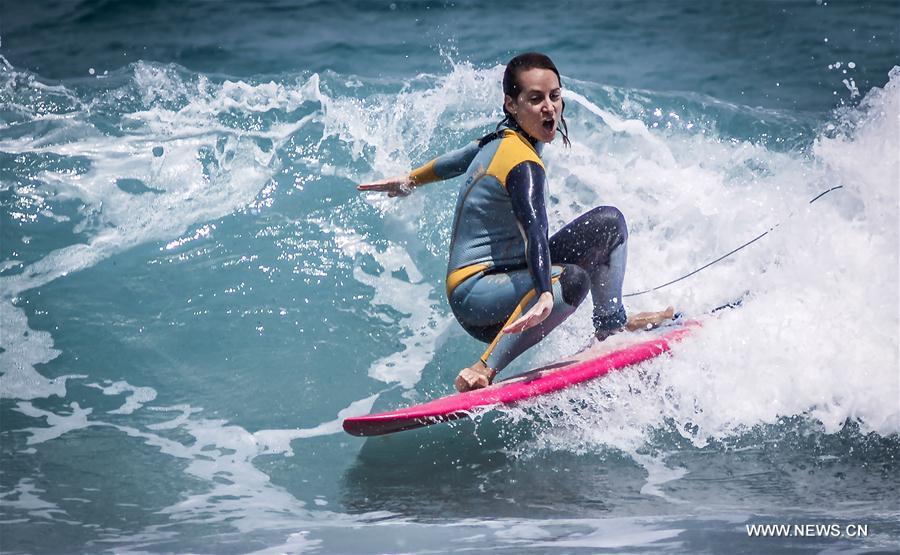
(467, 380)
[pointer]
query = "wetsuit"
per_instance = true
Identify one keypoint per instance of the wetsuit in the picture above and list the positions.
(501, 258)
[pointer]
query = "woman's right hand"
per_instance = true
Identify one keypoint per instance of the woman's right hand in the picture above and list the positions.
(399, 186)
(538, 313)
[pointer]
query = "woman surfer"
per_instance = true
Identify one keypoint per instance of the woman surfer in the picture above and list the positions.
(508, 283)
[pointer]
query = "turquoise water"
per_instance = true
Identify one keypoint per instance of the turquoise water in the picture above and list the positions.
(193, 295)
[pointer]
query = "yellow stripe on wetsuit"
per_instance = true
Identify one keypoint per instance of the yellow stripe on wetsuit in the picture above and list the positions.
(460, 275)
(513, 150)
(424, 174)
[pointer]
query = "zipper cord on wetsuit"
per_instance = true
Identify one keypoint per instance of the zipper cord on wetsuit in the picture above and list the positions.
(724, 256)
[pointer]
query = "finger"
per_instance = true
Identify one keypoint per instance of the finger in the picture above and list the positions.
(528, 324)
(514, 327)
(531, 320)
(372, 187)
(517, 326)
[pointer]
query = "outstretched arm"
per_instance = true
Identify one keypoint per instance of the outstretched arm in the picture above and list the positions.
(399, 186)
(446, 166)
(525, 184)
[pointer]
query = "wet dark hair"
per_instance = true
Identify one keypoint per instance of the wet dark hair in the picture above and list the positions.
(512, 88)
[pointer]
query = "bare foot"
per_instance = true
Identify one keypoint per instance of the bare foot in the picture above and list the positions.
(474, 377)
(649, 320)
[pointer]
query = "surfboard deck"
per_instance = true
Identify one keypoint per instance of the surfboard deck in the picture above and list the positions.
(541, 381)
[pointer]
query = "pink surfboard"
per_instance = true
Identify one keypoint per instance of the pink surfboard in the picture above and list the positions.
(518, 388)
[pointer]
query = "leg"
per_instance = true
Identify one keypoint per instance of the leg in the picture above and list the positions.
(597, 242)
(512, 294)
(570, 287)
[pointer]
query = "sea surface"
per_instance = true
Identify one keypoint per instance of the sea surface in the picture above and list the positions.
(193, 295)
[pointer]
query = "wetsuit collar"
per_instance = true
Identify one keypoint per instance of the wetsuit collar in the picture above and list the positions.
(537, 145)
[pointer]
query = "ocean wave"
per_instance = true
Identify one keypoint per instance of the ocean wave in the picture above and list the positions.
(232, 202)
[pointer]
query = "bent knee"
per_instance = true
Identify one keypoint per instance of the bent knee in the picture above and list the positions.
(615, 219)
(610, 220)
(574, 284)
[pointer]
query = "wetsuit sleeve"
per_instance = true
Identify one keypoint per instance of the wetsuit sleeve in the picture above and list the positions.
(525, 184)
(446, 166)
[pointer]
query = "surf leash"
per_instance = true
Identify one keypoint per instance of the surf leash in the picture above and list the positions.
(726, 255)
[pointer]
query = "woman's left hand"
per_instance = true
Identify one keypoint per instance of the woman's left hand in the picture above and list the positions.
(537, 314)
(399, 186)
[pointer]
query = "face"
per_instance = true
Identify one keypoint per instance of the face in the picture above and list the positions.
(539, 106)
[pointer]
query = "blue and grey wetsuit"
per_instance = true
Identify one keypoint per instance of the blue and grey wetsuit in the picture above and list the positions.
(501, 258)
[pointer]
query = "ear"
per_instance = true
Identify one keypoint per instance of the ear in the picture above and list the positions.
(509, 104)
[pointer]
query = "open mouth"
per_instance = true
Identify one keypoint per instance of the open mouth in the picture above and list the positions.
(548, 124)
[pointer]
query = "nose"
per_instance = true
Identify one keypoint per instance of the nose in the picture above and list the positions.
(547, 107)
